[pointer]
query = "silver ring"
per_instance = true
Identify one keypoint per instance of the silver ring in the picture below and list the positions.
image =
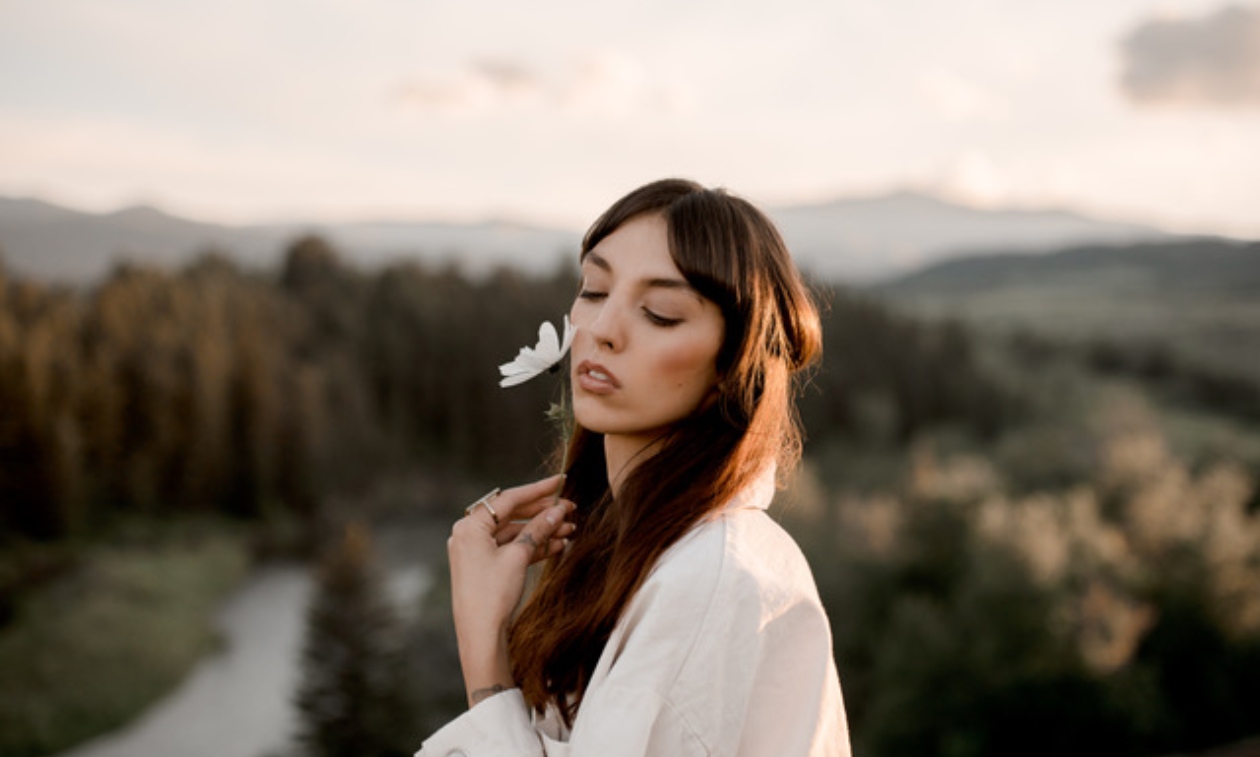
(485, 502)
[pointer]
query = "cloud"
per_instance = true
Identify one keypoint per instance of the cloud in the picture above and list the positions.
(959, 100)
(508, 77)
(1208, 61)
(973, 178)
(599, 84)
(609, 83)
(481, 85)
(103, 161)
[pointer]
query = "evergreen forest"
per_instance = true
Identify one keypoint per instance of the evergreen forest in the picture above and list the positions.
(1027, 542)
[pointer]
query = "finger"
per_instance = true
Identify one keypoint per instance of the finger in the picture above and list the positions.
(477, 525)
(527, 511)
(523, 498)
(542, 528)
(490, 512)
(484, 512)
(554, 547)
(509, 533)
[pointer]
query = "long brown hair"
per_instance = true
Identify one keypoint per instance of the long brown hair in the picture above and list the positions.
(730, 253)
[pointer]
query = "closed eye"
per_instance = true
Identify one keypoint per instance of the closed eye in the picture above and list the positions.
(589, 294)
(661, 320)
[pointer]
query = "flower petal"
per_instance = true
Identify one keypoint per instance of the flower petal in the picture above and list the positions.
(512, 369)
(519, 378)
(534, 362)
(542, 357)
(548, 342)
(567, 341)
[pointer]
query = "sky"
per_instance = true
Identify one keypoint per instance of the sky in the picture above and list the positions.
(268, 110)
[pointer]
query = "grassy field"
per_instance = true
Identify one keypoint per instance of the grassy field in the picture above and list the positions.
(90, 651)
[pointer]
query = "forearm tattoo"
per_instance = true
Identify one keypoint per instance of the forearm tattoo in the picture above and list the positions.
(486, 693)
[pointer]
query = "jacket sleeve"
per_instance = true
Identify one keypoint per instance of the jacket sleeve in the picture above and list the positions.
(617, 722)
(500, 726)
(624, 714)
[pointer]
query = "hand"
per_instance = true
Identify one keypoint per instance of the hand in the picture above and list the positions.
(488, 565)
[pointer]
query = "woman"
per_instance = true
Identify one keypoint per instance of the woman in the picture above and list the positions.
(673, 617)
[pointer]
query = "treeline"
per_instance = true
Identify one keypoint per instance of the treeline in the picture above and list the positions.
(215, 389)
(885, 377)
(1156, 364)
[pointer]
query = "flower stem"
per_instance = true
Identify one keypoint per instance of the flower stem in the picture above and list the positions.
(565, 421)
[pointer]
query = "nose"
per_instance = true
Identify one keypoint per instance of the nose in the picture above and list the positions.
(603, 321)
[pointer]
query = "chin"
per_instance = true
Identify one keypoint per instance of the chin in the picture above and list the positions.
(586, 421)
(600, 423)
(594, 425)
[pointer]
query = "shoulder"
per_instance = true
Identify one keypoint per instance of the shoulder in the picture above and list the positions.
(741, 554)
(727, 578)
(739, 547)
(733, 618)
(733, 589)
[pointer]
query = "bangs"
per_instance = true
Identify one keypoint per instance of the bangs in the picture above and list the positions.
(708, 244)
(732, 255)
(708, 241)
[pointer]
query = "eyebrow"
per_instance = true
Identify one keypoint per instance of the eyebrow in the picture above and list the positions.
(595, 259)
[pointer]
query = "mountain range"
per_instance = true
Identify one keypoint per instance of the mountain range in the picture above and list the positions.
(858, 240)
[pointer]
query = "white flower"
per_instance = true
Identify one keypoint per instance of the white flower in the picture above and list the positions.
(541, 358)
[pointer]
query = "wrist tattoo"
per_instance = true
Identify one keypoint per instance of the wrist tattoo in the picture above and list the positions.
(486, 693)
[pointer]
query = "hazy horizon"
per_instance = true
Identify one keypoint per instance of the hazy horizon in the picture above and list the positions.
(1139, 110)
(471, 218)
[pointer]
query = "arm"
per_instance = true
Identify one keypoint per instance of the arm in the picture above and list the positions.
(489, 551)
(616, 718)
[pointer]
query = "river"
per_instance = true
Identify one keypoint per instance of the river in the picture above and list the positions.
(238, 703)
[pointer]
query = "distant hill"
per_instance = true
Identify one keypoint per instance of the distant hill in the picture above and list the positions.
(874, 238)
(52, 243)
(1199, 297)
(1184, 266)
(855, 240)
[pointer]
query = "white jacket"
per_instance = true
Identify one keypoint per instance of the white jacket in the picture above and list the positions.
(724, 650)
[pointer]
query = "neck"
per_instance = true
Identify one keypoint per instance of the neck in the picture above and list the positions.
(622, 453)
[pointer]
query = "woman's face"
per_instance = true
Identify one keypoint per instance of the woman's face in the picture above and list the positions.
(645, 352)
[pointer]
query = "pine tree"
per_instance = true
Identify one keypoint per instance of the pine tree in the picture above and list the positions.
(352, 699)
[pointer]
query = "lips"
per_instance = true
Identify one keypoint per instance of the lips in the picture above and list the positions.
(595, 378)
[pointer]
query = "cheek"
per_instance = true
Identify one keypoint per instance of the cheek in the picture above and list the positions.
(577, 316)
(688, 364)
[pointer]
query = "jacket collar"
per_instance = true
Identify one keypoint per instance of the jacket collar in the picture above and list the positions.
(757, 495)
